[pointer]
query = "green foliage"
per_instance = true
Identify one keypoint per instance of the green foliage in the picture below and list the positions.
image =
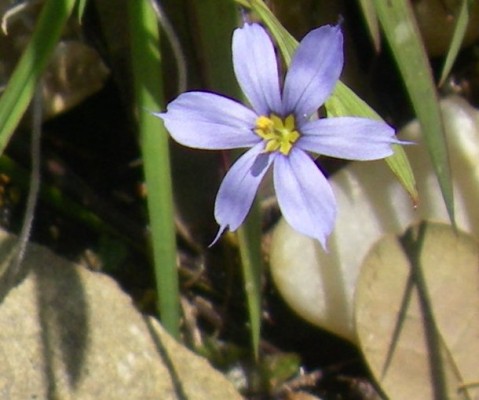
(148, 95)
(22, 83)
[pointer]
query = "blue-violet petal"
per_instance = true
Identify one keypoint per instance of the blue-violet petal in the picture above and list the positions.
(304, 195)
(239, 186)
(350, 138)
(314, 71)
(256, 68)
(208, 121)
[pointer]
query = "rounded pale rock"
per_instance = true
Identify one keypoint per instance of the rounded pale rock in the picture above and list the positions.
(70, 333)
(320, 286)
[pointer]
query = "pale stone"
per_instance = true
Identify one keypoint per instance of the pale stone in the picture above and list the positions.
(70, 333)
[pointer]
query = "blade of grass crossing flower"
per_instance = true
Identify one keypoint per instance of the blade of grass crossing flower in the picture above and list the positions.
(369, 13)
(397, 20)
(22, 83)
(214, 41)
(343, 101)
(462, 20)
(148, 88)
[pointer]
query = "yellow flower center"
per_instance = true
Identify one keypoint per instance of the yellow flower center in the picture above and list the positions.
(279, 134)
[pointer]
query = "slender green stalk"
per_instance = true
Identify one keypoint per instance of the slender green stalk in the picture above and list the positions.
(148, 89)
(22, 83)
(249, 236)
(215, 45)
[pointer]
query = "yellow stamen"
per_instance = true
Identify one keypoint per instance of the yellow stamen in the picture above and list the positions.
(280, 135)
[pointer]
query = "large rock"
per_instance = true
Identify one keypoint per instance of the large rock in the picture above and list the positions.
(70, 333)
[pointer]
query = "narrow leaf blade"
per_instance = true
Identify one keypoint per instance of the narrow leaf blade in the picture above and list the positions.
(148, 95)
(22, 83)
(367, 8)
(462, 20)
(397, 20)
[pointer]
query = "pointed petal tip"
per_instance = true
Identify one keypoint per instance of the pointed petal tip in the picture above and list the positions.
(239, 186)
(158, 114)
(323, 241)
(322, 238)
(336, 28)
(325, 247)
(221, 230)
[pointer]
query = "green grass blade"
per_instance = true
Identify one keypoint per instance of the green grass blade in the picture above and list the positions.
(148, 95)
(81, 5)
(462, 20)
(215, 46)
(249, 237)
(343, 101)
(367, 8)
(22, 84)
(397, 20)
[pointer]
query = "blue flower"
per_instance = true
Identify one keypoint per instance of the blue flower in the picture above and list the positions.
(280, 130)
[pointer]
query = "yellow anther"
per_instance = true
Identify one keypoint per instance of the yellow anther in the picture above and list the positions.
(279, 135)
(264, 123)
